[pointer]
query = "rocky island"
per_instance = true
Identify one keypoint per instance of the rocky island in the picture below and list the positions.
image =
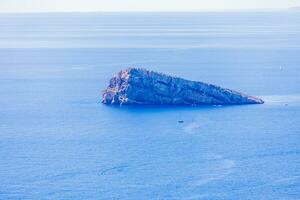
(137, 86)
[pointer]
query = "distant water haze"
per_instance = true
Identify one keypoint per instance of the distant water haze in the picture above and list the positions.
(141, 5)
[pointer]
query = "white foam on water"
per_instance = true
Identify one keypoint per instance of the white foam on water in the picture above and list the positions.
(281, 99)
(195, 125)
(289, 180)
(222, 170)
(191, 127)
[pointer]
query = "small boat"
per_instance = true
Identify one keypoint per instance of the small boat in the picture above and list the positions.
(280, 68)
(180, 121)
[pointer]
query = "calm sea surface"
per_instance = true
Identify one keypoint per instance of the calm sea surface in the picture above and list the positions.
(58, 142)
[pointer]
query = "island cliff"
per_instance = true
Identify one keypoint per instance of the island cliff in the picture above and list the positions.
(136, 86)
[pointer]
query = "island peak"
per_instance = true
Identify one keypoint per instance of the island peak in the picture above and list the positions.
(139, 86)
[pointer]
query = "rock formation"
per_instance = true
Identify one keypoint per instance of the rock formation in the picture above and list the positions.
(136, 86)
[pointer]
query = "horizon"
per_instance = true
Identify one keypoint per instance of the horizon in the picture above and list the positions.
(159, 11)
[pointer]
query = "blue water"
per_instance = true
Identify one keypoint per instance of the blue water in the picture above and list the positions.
(58, 141)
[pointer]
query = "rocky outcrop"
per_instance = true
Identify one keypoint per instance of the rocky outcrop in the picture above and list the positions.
(136, 86)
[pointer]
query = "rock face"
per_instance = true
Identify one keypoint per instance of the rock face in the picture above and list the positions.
(136, 86)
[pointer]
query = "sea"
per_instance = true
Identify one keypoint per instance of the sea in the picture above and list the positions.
(59, 142)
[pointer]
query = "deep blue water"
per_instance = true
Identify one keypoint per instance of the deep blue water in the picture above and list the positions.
(58, 142)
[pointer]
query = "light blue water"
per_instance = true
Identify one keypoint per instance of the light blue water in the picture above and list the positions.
(58, 142)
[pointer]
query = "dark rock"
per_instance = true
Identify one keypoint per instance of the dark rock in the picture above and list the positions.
(143, 87)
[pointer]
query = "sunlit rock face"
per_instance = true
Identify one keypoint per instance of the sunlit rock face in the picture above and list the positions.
(137, 86)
